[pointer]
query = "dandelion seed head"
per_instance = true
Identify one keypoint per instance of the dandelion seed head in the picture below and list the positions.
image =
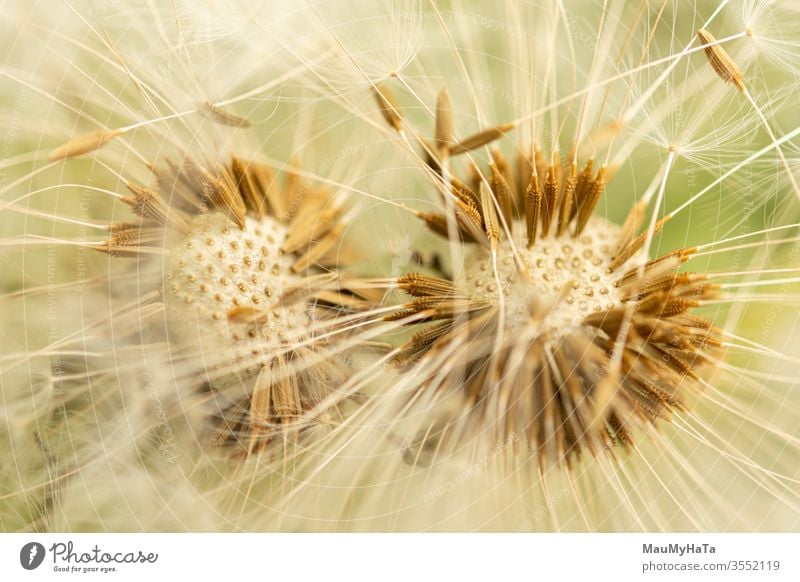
(561, 332)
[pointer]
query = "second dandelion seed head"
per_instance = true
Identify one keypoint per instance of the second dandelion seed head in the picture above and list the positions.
(560, 330)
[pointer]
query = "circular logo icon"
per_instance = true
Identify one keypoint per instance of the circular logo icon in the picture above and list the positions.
(31, 555)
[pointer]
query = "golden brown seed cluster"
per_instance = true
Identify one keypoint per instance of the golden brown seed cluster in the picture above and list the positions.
(247, 281)
(563, 335)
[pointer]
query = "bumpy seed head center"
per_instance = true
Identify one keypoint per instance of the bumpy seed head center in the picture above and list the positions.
(220, 270)
(569, 274)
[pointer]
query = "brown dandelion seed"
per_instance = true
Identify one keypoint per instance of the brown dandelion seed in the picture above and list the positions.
(491, 223)
(84, 144)
(389, 108)
(150, 205)
(720, 61)
(443, 136)
(480, 139)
